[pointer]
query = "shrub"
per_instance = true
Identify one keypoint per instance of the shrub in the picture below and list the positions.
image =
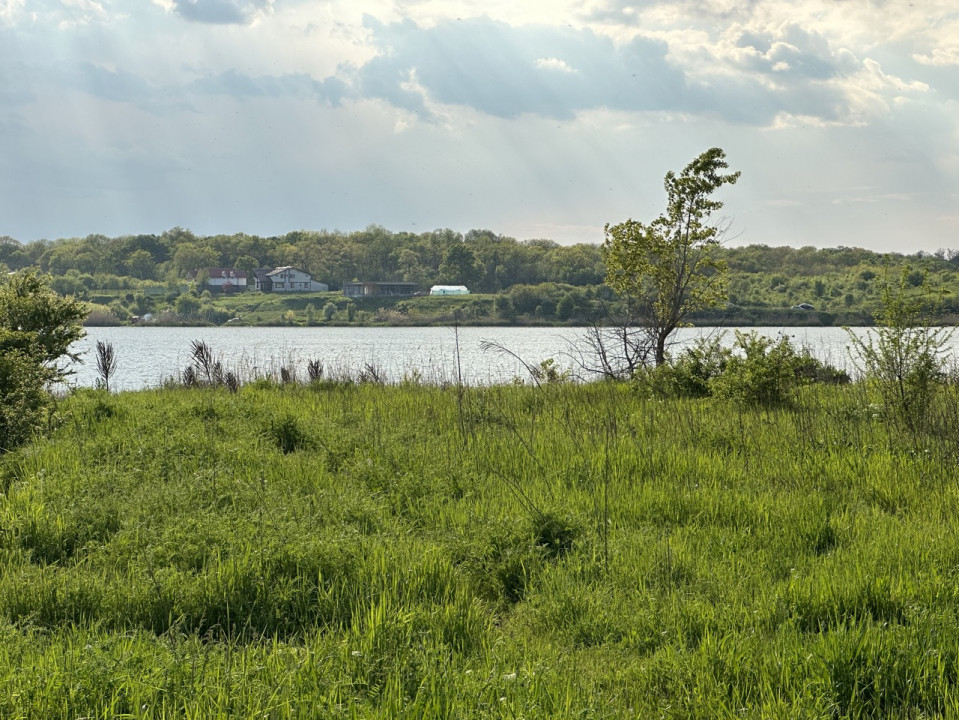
(691, 373)
(903, 357)
(215, 315)
(812, 370)
(24, 400)
(763, 373)
(37, 327)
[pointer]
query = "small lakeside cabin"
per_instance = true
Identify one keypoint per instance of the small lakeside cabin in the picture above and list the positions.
(449, 290)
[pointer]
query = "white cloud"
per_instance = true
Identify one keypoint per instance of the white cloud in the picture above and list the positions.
(554, 64)
(10, 10)
(939, 57)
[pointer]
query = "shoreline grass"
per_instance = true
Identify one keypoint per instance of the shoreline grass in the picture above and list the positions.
(346, 549)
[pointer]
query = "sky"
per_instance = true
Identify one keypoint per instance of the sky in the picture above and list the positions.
(530, 118)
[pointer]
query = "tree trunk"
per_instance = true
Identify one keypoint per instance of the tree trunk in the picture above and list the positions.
(661, 349)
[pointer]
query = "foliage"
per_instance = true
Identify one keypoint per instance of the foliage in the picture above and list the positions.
(762, 373)
(549, 372)
(668, 269)
(37, 327)
(904, 356)
(691, 373)
(461, 267)
(24, 399)
(187, 305)
(754, 371)
(52, 322)
(765, 283)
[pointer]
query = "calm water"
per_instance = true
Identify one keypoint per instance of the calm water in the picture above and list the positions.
(148, 355)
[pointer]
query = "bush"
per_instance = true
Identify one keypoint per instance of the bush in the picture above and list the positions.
(691, 373)
(24, 400)
(763, 374)
(812, 370)
(903, 357)
(37, 327)
(214, 315)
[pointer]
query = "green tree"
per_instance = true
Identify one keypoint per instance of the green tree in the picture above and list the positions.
(30, 308)
(668, 268)
(189, 257)
(140, 265)
(37, 328)
(187, 305)
(460, 266)
(247, 263)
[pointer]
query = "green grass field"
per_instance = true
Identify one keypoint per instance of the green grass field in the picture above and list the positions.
(574, 551)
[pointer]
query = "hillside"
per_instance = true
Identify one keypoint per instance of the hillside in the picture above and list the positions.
(535, 281)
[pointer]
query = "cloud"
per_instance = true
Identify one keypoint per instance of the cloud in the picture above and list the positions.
(221, 12)
(791, 50)
(236, 84)
(939, 57)
(554, 64)
(10, 10)
(507, 71)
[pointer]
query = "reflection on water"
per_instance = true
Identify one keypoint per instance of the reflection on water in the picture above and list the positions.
(148, 355)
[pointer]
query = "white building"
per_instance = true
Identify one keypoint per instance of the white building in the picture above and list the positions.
(226, 279)
(449, 290)
(288, 279)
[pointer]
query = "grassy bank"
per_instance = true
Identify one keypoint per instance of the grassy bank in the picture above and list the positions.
(354, 550)
(522, 307)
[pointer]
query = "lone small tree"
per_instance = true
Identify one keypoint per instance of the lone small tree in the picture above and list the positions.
(667, 269)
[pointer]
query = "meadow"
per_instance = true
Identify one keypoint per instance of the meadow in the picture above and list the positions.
(348, 549)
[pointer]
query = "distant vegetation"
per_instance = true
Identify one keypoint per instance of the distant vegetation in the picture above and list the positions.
(533, 281)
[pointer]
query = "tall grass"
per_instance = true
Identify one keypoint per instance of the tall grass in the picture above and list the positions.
(344, 549)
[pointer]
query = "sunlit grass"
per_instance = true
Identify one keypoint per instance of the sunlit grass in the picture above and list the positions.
(356, 550)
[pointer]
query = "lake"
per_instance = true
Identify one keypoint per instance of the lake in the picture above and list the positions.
(148, 355)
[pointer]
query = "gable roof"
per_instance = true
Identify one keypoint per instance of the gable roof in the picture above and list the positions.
(287, 267)
(221, 273)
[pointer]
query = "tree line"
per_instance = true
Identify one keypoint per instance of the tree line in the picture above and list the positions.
(484, 261)
(759, 275)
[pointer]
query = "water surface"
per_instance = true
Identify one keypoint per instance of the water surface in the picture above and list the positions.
(148, 355)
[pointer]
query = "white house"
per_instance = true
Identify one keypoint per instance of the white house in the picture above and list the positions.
(449, 290)
(226, 279)
(288, 279)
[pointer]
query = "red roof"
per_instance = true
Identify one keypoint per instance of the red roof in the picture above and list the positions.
(227, 273)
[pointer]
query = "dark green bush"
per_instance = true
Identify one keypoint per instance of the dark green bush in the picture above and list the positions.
(287, 434)
(690, 374)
